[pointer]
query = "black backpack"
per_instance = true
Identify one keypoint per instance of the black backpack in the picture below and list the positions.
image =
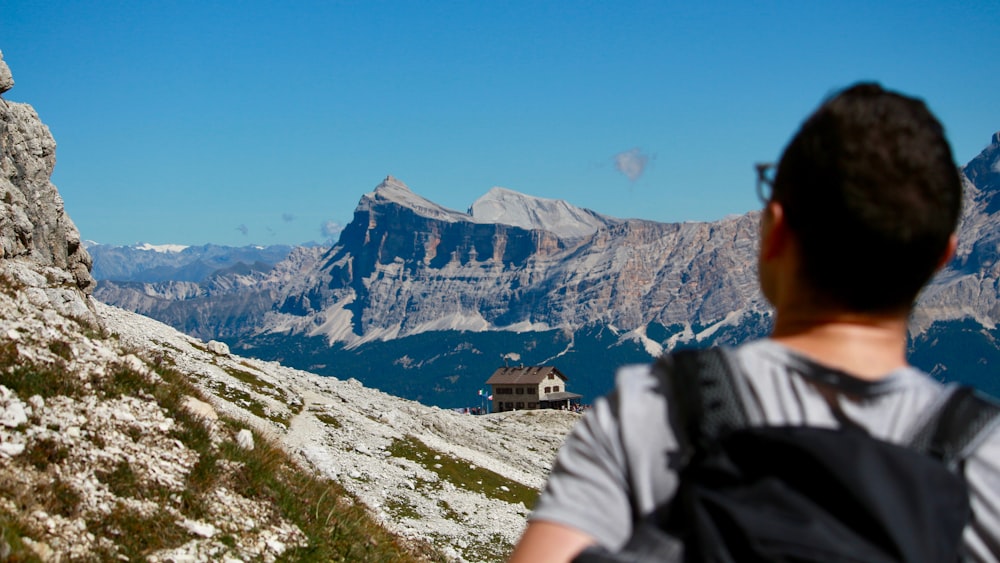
(797, 493)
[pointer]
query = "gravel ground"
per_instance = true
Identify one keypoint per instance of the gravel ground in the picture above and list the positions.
(344, 430)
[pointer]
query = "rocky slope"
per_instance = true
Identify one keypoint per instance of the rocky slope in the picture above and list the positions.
(354, 434)
(387, 451)
(122, 438)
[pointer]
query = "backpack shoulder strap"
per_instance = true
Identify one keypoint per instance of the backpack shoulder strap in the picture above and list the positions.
(958, 427)
(706, 401)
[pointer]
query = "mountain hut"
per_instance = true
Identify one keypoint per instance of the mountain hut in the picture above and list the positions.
(530, 387)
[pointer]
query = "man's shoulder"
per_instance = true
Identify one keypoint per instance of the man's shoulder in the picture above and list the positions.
(766, 358)
(772, 374)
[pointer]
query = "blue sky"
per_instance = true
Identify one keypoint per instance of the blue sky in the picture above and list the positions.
(262, 122)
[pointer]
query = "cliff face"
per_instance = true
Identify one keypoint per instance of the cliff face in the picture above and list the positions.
(967, 288)
(404, 266)
(33, 220)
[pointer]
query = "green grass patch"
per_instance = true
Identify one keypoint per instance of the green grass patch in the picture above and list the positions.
(449, 512)
(136, 535)
(41, 452)
(120, 479)
(28, 378)
(11, 532)
(255, 383)
(245, 400)
(59, 497)
(61, 349)
(461, 474)
(124, 381)
(328, 419)
(399, 509)
(336, 525)
(496, 548)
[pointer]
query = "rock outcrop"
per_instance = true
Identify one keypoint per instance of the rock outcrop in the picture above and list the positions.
(6, 78)
(33, 221)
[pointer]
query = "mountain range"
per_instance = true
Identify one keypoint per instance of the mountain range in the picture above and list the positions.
(425, 302)
(149, 263)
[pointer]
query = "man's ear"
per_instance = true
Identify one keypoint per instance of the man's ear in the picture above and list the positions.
(949, 251)
(773, 231)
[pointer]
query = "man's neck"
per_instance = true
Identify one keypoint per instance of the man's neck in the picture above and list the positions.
(865, 346)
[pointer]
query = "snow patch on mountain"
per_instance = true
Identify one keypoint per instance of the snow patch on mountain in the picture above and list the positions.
(161, 248)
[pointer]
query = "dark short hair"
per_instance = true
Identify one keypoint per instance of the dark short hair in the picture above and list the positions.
(870, 189)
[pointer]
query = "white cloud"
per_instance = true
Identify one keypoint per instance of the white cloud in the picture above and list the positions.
(631, 163)
(330, 229)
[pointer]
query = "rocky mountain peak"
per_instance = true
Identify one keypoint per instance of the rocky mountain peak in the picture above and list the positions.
(34, 225)
(984, 170)
(508, 207)
(394, 192)
(391, 182)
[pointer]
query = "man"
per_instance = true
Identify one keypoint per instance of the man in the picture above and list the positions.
(862, 213)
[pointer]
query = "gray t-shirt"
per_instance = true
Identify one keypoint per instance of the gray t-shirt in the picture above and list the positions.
(613, 466)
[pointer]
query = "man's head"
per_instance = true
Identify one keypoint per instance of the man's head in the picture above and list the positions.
(869, 189)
